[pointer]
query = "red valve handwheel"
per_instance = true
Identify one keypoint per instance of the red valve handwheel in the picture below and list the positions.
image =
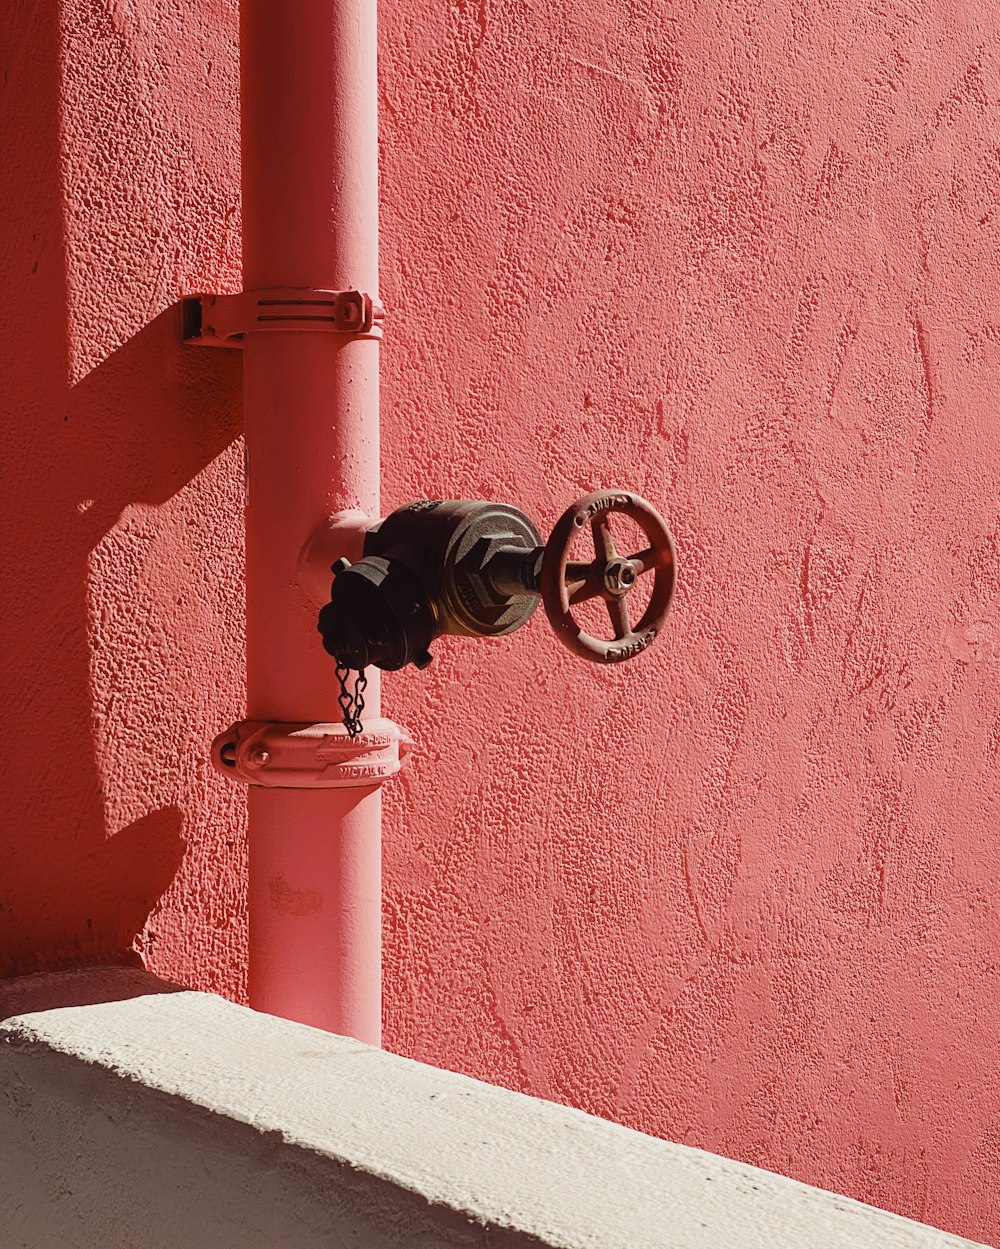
(564, 582)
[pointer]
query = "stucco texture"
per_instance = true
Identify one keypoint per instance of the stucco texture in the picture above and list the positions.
(739, 257)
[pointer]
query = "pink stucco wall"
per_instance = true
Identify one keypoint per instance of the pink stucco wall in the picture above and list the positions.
(737, 256)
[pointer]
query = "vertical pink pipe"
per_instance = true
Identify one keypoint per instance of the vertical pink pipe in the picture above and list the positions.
(310, 219)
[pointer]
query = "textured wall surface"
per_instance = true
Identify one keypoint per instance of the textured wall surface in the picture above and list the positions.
(122, 493)
(738, 256)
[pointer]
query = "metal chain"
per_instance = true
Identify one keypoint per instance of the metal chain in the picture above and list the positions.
(351, 704)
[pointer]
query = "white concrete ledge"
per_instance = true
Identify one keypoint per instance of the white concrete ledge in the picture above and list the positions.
(138, 1117)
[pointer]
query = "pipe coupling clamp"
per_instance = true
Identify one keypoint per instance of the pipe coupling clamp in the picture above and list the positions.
(225, 320)
(310, 756)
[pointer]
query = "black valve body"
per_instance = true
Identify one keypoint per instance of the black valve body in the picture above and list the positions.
(425, 572)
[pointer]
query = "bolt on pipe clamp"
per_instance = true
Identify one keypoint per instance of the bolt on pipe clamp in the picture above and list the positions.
(310, 756)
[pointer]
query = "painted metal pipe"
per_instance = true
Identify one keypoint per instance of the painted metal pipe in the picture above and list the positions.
(310, 220)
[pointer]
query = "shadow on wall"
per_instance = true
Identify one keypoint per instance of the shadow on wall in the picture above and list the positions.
(131, 431)
(83, 986)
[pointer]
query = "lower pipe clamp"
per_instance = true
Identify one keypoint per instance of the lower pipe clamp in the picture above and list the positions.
(310, 756)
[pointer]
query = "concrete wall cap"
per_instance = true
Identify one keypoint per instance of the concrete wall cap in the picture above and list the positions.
(181, 1119)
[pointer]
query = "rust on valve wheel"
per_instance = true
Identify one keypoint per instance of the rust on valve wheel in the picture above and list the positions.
(564, 582)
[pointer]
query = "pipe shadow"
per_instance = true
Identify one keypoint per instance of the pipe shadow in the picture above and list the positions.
(136, 429)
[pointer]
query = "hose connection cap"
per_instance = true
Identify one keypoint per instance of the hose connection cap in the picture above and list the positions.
(377, 615)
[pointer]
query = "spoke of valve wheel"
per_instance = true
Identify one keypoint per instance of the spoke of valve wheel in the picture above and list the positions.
(604, 546)
(648, 559)
(618, 611)
(583, 581)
